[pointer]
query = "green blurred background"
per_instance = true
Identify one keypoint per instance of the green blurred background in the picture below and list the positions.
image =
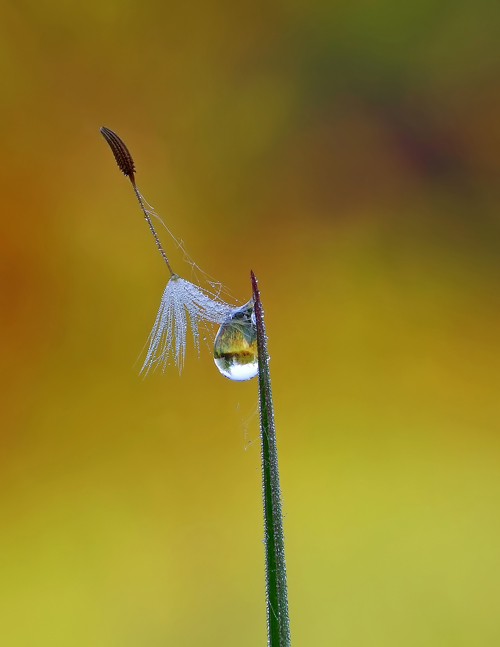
(348, 152)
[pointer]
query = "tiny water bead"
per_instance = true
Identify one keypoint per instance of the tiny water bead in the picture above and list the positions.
(235, 346)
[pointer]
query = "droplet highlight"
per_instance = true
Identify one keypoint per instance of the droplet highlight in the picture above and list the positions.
(235, 345)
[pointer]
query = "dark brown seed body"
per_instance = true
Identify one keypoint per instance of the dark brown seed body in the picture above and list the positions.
(120, 151)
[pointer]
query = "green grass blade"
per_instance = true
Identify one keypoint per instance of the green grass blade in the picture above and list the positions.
(277, 604)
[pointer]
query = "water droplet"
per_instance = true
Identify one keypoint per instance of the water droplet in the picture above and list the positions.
(235, 345)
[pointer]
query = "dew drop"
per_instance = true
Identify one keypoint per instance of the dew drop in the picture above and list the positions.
(235, 345)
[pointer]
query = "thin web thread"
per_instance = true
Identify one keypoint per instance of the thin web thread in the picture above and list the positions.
(183, 304)
(198, 275)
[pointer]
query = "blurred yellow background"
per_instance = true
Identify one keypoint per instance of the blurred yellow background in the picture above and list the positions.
(347, 152)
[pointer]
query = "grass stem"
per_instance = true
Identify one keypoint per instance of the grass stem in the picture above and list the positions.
(278, 632)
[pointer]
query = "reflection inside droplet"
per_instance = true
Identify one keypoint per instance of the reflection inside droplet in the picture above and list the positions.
(235, 345)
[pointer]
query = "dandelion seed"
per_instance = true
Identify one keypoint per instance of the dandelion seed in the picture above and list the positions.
(127, 167)
(183, 303)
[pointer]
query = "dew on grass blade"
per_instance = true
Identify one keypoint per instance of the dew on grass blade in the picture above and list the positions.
(235, 346)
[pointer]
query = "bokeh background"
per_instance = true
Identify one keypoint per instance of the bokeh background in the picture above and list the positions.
(349, 153)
